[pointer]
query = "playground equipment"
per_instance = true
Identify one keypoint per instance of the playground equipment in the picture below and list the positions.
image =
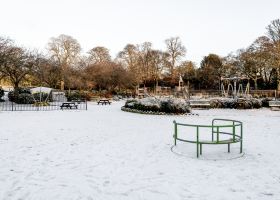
(223, 131)
(232, 89)
(141, 92)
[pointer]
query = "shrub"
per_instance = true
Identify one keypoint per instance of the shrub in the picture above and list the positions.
(249, 103)
(77, 95)
(265, 101)
(25, 98)
(12, 95)
(156, 105)
(38, 104)
(2, 92)
(21, 96)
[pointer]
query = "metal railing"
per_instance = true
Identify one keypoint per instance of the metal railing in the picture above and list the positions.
(43, 106)
(237, 136)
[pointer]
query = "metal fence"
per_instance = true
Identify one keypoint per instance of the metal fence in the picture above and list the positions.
(254, 93)
(11, 106)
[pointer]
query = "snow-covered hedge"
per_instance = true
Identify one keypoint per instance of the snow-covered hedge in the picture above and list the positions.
(159, 105)
(249, 103)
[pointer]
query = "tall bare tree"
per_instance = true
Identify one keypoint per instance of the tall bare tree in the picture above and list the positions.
(65, 50)
(129, 58)
(47, 72)
(176, 51)
(157, 63)
(274, 33)
(144, 61)
(99, 55)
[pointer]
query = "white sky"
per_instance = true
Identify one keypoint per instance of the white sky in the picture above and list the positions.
(205, 26)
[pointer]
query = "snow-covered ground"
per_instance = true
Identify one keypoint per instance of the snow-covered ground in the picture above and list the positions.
(107, 154)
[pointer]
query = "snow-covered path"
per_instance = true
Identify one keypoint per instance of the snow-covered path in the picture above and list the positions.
(107, 154)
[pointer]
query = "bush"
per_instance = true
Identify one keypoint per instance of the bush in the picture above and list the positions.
(2, 92)
(38, 104)
(236, 103)
(25, 98)
(265, 102)
(12, 95)
(21, 96)
(156, 105)
(77, 96)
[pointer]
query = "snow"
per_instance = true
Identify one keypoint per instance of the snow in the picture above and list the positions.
(105, 153)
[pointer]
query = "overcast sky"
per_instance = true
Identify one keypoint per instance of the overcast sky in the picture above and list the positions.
(205, 26)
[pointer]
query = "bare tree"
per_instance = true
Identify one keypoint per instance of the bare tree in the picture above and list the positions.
(109, 76)
(16, 63)
(274, 30)
(274, 34)
(99, 55)
(65, 50)
(144, 61)
(157, 63)
(129, 58)
(176, 51)
(47, 72)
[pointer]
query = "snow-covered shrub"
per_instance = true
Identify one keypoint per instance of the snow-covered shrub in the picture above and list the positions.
(159, 105)
(265, 101)
(249, 103)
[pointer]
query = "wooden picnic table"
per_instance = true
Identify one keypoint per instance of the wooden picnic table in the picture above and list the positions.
(69, 105)
(104, 102)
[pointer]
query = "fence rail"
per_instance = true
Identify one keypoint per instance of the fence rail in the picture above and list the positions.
(11, 106)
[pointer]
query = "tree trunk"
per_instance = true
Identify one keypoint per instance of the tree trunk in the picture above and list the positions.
(256, 83)
(16, 86)
(278, 79)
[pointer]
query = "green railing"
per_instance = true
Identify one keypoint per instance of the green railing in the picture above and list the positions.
(234, 130)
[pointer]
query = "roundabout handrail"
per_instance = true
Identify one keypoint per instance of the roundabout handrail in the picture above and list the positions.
(215, 129)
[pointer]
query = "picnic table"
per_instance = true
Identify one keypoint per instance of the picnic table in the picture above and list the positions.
(69, 105)
(104, 102)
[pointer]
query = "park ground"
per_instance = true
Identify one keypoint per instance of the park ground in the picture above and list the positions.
(105, 153)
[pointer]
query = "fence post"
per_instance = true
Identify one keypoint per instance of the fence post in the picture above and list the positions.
(86, 104)
(241, 135)
(233, 131)
(218, 132)
(12, 106)
(197, 141)
(175, 132)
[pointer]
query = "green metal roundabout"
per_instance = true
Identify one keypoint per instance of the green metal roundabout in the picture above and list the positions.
(220, 132)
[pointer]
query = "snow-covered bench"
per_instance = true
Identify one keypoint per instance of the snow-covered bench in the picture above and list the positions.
(200, 104)
(274, 105)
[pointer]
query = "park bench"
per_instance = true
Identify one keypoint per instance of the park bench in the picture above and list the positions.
(104, 102)
(220, 128)
(274, 105)
(200, 104)
(69, 105)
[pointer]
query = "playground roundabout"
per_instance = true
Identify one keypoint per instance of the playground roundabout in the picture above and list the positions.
(222, 132)
(216, 154)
